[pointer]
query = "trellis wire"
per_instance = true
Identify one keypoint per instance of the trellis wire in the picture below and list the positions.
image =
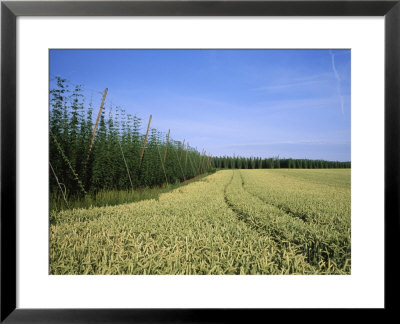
(60, 150)
(59, 184)
(162, 164)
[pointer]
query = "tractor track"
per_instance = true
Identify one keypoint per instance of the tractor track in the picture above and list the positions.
(303, 217)
(240, 215)
(263, 230)
(245, 218)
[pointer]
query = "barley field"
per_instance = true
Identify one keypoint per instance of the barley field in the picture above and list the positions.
(238, 221)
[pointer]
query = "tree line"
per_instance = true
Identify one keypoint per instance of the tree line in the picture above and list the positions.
(226, 162)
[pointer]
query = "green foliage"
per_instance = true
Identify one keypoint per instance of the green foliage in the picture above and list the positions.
(113, 162)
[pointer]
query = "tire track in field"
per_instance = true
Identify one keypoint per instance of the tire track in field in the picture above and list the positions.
(245, 218)
(286, 210)
(240, 215)
(263, 230)
(308, 252)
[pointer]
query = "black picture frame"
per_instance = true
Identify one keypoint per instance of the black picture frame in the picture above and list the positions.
(10, 10)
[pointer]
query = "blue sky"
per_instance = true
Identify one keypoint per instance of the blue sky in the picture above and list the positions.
(264, 103)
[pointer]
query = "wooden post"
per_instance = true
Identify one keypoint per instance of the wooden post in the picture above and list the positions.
(166, 147)
(203, 162)
(97, 122)
(198, 166)
(179, 162)
(200, 161)
(126, 164)
(162, 164)
(144, 143)
(192, 165)
(183, 148)
(186, 155)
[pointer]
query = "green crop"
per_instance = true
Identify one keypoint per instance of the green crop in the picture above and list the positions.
(122, 157)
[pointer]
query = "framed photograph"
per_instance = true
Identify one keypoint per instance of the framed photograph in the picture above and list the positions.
(197, 161)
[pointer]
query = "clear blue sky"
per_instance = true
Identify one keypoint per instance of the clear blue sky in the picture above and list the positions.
(264, 103)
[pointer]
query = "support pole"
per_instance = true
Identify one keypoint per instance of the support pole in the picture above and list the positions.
(203, 162)
(97, 122)
(186, 155)
(193, 168)
(183, 148)
(166, 147)
(179, 162)
(162, 164)
(145, 141)
(200, 161)
(126, 164)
